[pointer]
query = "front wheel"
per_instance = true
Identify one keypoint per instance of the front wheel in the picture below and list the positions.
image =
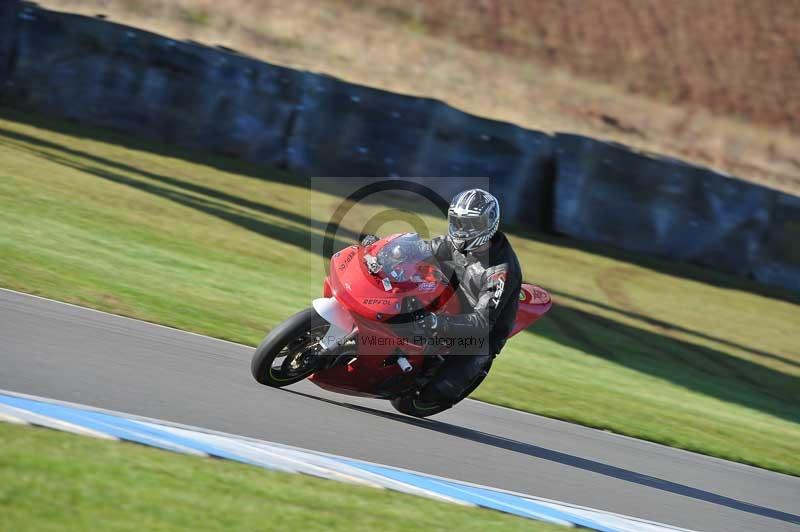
(290, 352)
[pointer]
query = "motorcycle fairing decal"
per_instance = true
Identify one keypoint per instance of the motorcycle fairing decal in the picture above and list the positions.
(376, 301)
(345, 262)
(540, 296)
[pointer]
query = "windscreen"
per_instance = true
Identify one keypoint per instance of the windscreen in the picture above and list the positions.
(408, 258)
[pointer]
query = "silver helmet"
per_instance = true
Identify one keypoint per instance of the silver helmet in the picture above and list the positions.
(473, 216)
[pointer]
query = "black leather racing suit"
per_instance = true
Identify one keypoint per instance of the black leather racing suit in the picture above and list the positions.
(489, 284)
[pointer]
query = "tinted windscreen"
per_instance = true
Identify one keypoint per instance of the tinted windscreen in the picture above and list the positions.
(407, 258)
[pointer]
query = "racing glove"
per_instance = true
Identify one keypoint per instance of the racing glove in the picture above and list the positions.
(368, 239)
(427, 323)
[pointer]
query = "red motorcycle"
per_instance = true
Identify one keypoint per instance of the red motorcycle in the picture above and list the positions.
(363, 336)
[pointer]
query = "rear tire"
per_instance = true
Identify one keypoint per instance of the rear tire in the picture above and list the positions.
(412, 406)
(288, 354)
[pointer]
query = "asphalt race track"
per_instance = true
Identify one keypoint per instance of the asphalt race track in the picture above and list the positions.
(69, 353)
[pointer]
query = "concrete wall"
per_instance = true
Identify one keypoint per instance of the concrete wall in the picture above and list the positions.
(105, 74)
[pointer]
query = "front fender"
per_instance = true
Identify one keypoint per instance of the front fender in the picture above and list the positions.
(342, 323)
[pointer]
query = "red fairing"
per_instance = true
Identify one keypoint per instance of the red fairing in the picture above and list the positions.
(378, 296)
(370, 374)
(326, 289)
(534, 302)
(375, 297)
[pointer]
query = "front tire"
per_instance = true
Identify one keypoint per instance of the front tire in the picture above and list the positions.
(289, 352)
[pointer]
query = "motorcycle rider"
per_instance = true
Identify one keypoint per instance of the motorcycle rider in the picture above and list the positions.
(477, 257)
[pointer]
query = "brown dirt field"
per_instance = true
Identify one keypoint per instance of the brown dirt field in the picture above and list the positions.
(715, 82)
(733, 57)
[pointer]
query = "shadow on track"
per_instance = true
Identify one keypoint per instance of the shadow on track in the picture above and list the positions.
(566, 459)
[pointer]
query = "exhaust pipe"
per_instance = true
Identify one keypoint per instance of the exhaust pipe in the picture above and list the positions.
(404, 364)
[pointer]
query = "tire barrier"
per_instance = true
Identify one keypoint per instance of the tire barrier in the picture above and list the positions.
(608, 193)
(8, 22)
(109, 75)
(778, 254)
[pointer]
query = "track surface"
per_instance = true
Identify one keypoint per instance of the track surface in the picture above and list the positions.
(74, 354)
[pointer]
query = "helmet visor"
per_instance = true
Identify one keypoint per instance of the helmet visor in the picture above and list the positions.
(466, 227)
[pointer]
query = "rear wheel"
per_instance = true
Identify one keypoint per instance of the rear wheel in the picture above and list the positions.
(290, 352)
(412, 406)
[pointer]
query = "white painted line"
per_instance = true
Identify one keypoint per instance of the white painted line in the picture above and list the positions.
(563, 506)
(305, 462)
(520, 509)
(155, 441)
(5, 418)
(614, 521)
(260, 454)
(33, 418)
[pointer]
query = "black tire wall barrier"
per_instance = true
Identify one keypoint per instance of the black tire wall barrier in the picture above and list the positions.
(105, 74)
(8, 22)
(609, 193)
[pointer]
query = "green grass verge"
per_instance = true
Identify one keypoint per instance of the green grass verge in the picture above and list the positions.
(648, 348)
(56, 481)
